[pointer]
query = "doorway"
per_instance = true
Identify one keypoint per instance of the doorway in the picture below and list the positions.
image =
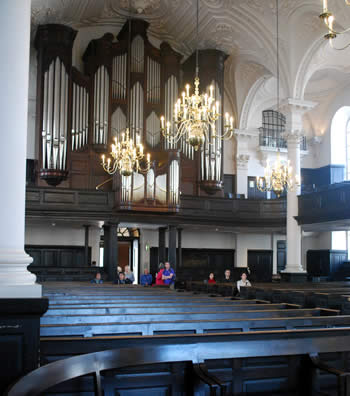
(124, 254)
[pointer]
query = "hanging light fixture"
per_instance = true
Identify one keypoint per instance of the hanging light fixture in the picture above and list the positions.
(329, 19)
(127, 156)
(278, 178)
(195, 115)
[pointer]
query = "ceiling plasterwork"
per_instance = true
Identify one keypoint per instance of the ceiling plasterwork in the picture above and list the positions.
(244, 29)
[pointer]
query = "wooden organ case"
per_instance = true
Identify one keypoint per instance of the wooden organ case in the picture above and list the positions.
(80, 113)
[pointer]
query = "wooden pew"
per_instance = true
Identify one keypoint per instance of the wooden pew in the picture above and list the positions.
(191, 326)
(55, 326)
(287, 362)
(164, 309)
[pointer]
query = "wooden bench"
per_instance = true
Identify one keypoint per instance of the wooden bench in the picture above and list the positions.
(195, 326)
(164, 309)
(110, 324)
(287, 362)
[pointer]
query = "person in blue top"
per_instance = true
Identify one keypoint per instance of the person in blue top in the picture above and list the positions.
(168, 275)
(146, 278)
(97, 278)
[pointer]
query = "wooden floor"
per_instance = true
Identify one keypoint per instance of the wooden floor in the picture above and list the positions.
(85, 318)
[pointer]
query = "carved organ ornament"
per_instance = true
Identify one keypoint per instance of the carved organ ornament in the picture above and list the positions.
(80, 114)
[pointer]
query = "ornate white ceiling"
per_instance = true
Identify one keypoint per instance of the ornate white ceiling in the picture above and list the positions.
(244, 29)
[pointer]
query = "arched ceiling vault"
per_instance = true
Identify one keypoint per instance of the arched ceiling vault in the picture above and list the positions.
(244, 29)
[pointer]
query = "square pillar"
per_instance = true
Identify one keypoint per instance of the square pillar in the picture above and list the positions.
(161, 245)
(110, 255)
(172, 246)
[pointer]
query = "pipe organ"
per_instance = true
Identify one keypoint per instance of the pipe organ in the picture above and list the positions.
(79, 113)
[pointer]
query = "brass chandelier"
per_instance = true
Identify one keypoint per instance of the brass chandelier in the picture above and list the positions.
(278, 178)
(329, 19)
(195, 115)
(127, 155)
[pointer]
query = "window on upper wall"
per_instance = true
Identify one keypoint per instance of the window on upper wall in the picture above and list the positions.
(340, 155)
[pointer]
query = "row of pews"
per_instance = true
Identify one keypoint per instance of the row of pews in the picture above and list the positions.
(203, 336)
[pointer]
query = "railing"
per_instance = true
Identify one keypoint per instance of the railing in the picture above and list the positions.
(81, 204)
(195, 352)
(330, 204)
(279, 143)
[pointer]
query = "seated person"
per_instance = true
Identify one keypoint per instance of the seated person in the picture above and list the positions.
(97, 279)
(129, 275)
(227, 278)
(168, 275)
(120, 280)
(159, 279)
(211, 279)
(243, 282)
(146, 278)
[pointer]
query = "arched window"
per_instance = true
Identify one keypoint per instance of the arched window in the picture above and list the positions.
(340, 155)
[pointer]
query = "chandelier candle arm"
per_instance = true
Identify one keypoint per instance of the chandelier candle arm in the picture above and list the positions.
(329, 19)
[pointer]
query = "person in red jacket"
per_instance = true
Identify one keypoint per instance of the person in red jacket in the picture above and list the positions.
(211, 279)
(159, 280)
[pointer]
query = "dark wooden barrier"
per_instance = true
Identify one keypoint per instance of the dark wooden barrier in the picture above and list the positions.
(302, 353)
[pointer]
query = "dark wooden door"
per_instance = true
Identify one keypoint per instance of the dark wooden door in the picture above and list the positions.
(260, 265)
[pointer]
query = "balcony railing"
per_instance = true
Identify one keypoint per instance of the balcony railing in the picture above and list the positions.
(279, 143)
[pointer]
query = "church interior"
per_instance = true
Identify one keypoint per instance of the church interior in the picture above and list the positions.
(176, 220)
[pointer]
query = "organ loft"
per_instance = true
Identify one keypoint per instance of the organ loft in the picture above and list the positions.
(174, 201)
(80, 113)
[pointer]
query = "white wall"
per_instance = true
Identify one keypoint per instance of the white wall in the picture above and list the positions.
(63, 235)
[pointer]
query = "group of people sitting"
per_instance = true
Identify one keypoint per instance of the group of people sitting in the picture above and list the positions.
(227, 279)
(124, 278)
(165, 276)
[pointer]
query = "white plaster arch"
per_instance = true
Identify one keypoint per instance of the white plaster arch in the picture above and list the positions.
(243, 121)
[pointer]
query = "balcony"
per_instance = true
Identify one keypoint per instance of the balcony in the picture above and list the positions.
(332, 203)
(210, 211)
(270, 143)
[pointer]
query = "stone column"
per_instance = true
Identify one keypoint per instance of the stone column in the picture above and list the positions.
(110, 251)
(294, 111)
(172, 246)
(15, 279)
(161, 245)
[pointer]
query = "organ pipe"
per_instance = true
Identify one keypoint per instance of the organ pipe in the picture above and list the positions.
(136, 110)
(153, 81)
(55, 116)
(137, 54)
(171, 95)
(119, 77)
(211, 151)
(80, 117)
(153, 130)
(101, 105)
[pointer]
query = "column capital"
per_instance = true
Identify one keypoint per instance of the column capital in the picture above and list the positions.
(294, 109)
(248, 133)
(242, 161)
(296, 105)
